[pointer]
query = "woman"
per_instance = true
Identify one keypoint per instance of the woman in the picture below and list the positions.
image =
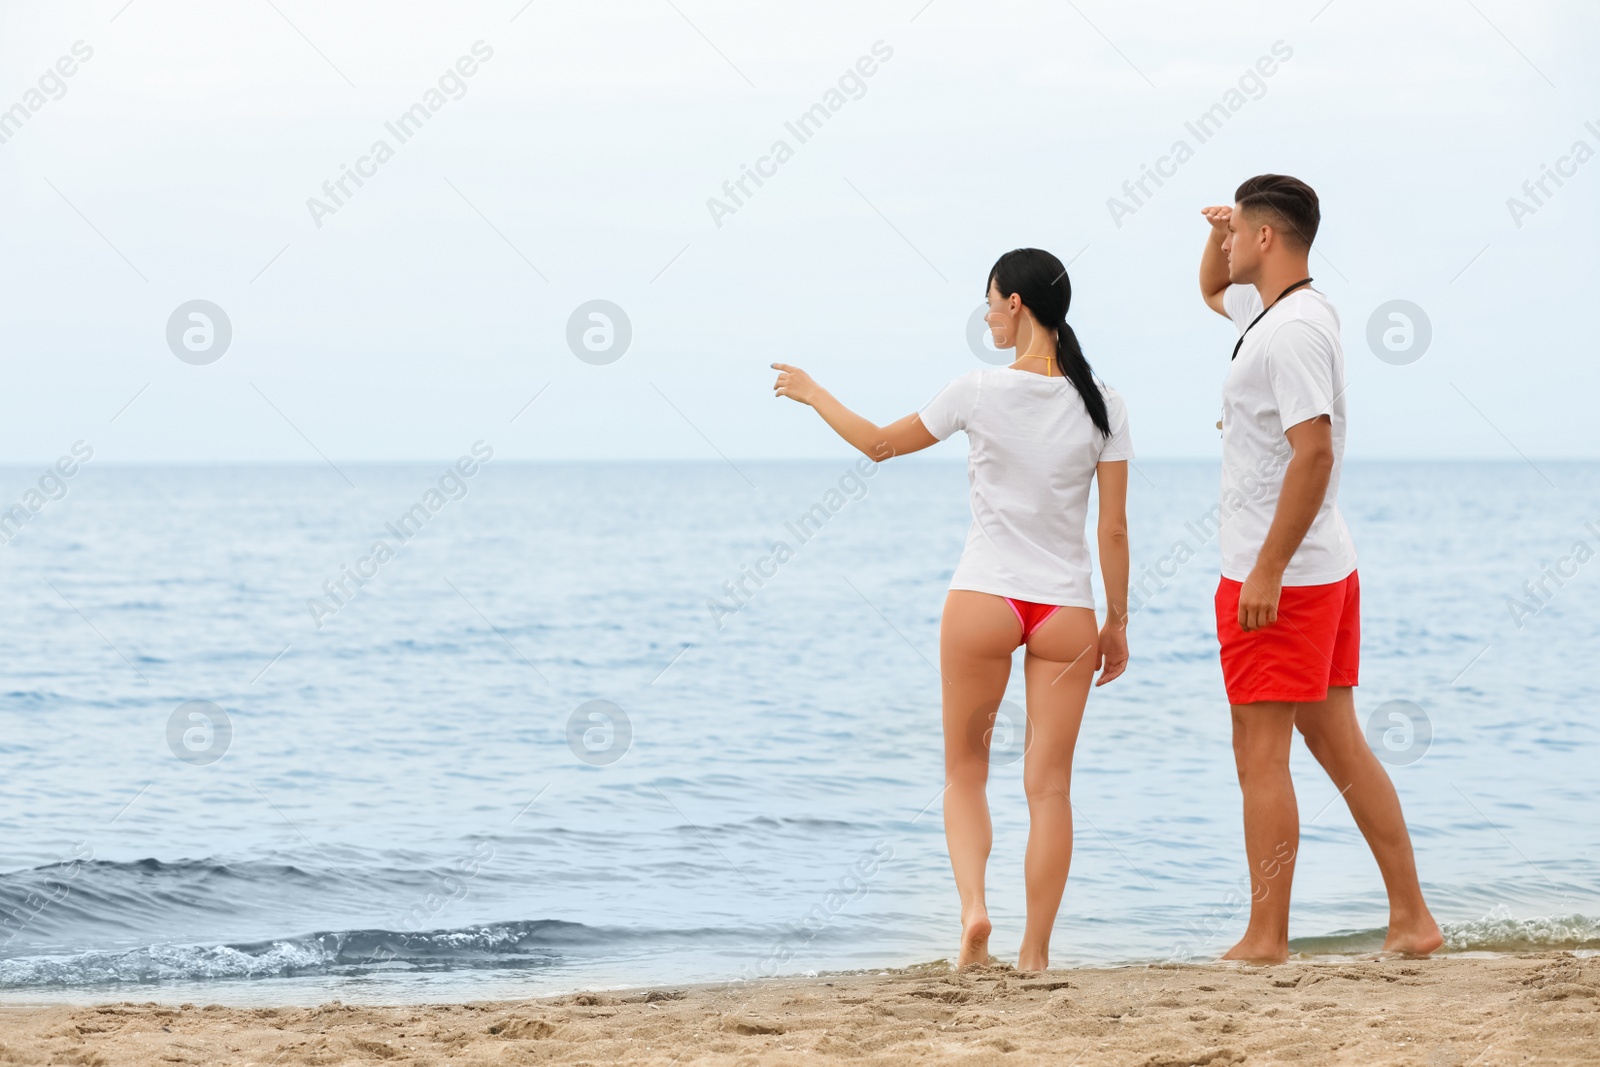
(1039, 430)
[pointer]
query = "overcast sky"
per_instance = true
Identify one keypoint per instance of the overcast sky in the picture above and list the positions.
(423, 309)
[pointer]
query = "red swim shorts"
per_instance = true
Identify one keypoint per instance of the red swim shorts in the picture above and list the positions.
(1316, 643)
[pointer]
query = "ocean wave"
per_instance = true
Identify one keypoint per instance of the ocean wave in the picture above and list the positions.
(1495, 932)
(158, 963)
(1502, 933)
(533, 943)
(541, 943)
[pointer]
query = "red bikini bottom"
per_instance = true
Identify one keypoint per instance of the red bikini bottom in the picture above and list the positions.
(1031, 615)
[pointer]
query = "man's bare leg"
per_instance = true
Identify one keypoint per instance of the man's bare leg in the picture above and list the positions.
(1335, 738)
(977, 637)
(1059, 668)
(1262, 734)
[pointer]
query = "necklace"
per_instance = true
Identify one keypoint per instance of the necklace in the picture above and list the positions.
(1037, 355)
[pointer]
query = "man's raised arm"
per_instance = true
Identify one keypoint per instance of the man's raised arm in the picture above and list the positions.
(1214, 260)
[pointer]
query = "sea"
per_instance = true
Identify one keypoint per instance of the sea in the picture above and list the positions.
(492, 729)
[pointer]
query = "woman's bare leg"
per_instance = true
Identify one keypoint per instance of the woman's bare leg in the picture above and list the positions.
(977, 636)
(1059, 668)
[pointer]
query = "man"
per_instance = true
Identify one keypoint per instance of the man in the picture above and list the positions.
(1288, 605)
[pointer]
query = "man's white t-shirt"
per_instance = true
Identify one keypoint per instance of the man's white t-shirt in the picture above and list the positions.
(1289, 369)
(1032, 454)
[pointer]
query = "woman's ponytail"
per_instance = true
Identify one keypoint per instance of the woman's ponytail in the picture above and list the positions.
(1069, 357)
(1041, 281)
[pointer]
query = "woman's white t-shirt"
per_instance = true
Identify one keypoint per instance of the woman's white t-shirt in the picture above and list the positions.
(1032, 456)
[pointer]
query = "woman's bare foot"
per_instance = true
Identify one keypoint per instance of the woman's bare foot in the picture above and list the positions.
(1414, 939)
(1033, 961)
(1254, 951)
(975, 930)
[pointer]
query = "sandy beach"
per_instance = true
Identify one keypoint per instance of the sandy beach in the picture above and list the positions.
(1450, 1012)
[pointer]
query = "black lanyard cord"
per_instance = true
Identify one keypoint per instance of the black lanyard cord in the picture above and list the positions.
(1258, 318)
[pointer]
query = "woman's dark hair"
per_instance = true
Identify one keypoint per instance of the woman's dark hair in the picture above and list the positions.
(1042, 283)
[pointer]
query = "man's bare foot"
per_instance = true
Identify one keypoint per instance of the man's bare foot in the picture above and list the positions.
(975, 931)
(1249, 951)
(1414, 939)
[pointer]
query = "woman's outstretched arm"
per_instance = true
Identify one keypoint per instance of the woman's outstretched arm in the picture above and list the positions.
(877, 443)
(1113, 538)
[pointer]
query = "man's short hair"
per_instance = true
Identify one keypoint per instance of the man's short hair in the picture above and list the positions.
(1290, 205)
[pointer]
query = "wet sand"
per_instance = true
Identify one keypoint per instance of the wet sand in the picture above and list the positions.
(1448, 1012)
